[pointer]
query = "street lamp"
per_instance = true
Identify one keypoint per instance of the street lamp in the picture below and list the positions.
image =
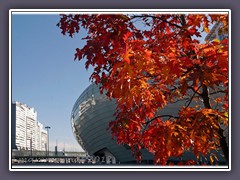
(48, 127)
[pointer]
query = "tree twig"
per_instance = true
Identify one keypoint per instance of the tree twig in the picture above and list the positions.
(161, 116)
(193, 96)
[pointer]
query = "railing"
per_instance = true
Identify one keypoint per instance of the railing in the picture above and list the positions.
(63, 160)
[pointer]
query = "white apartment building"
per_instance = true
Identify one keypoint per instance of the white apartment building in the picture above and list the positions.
(27, 132)
(44, 139)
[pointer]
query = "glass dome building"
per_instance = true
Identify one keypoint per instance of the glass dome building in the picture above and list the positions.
(90, 117)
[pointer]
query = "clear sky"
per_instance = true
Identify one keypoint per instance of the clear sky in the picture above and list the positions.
(44, 74)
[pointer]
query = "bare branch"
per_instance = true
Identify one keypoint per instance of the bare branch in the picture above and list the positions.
(216, 92)
(161, 116)
(195, 91)
(193, 96)
(154, 17)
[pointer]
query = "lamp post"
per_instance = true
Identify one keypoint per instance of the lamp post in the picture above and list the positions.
(48, 127)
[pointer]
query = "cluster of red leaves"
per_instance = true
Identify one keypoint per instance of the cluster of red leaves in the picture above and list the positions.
(145, 69)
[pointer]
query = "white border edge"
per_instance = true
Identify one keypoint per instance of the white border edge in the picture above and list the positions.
(230, 90)
(10, 88)
(56, 11)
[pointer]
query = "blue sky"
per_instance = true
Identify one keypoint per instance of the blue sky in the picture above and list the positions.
(44, 74)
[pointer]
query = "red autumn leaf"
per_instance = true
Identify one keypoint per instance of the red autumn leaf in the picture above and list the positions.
(78, 54)
(127, 35)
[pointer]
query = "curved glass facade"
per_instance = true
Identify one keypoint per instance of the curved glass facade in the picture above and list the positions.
(90, 117)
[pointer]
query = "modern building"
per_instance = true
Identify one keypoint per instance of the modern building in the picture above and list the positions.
(44, 140)
(90, 117)
(217, 32)
(27, 131)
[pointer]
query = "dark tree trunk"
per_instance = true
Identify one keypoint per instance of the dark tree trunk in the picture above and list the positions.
(223, 144)
(222, 139)
(206, 102)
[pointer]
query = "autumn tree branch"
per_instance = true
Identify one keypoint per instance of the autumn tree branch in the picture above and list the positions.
(216, 92)
(195, 91)
(155, 17)
(161, 116)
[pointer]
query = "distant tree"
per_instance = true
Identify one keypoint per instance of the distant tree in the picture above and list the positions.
(148, 61)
